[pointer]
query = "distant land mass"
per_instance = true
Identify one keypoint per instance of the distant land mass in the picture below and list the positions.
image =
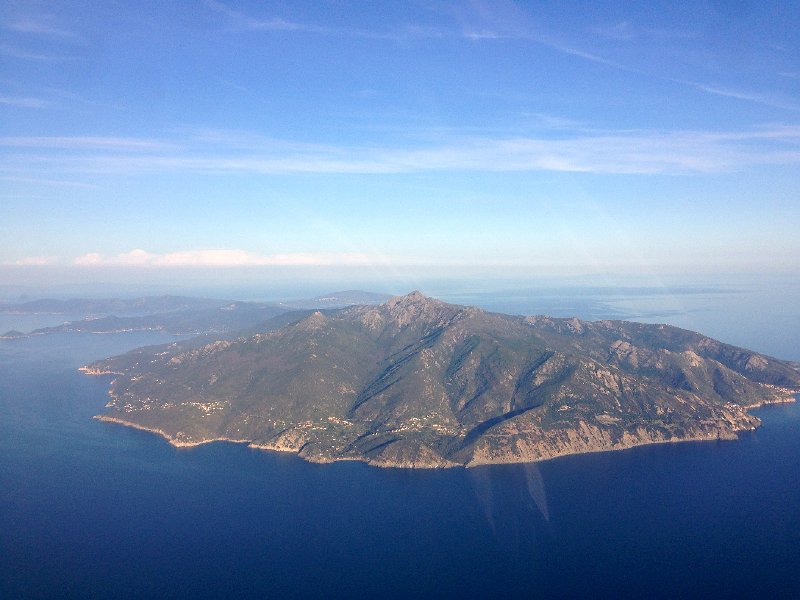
(174, 314)
(223, 319)
(416, 382)
(339, 299)
(107, 306)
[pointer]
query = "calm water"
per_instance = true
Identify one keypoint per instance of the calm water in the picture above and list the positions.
(94, 510)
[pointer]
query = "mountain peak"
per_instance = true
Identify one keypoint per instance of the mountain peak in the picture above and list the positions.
(416, 300)
(314, 320)
(416, 306)
(414, 297)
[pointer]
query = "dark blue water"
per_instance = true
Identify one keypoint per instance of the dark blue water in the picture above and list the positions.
(89, 509)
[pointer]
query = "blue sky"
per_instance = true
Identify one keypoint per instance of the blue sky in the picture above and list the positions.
(496, 136)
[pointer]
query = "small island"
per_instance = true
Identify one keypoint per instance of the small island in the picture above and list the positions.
(416, 382)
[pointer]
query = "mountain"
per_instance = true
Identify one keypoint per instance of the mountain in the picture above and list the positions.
(416, 382)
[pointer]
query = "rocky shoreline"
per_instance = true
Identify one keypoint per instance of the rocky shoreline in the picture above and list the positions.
(535, 453)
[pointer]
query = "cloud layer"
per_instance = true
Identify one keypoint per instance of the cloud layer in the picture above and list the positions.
(611, 152)
(219, 258)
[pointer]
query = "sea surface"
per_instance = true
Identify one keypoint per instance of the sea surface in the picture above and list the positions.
(96, 510)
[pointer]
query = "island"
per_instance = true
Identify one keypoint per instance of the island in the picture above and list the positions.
(177, 315)
(416, 382)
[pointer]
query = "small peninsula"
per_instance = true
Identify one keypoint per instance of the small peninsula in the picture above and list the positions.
(416, 382)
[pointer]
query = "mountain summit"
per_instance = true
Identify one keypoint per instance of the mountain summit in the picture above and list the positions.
(416, 382)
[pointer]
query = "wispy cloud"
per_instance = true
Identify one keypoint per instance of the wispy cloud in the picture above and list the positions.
(548, 121)
(243, 21)
(554, 44)
(222, 258)
(86, 143)
(40, 28)
(48, 182)
(508, 22)
(766, 99)
(14, 52)
(760, 98)
(613, 152)
(481, 35)
(24, 102)
(624, 31)
(490, 25)
(497, 21)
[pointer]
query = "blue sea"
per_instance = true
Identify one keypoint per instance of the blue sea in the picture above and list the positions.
(94, 510)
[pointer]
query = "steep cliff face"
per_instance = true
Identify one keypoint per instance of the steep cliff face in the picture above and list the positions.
(415, 382)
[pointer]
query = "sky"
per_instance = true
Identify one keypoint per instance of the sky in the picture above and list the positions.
(155, 139)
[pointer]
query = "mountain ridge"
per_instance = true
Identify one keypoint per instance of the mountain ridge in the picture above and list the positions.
(417, 382)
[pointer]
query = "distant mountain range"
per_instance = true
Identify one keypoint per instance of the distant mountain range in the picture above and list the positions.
(415, 382)
(174, 314)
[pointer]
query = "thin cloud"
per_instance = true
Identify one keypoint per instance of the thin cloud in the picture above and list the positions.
(766, 99)
(615, 152)
(492, 22)
(242, 21)
(624, 31)
(755, 97)
(40, 28)
(13, 52)
(49, 182)
(504, 30)
(548, 121)
(24, 102)
(85, 143)
(578, 53)
(558, 46)
(517, 26)
(546, 41)
(481, 35)
(223, 258)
